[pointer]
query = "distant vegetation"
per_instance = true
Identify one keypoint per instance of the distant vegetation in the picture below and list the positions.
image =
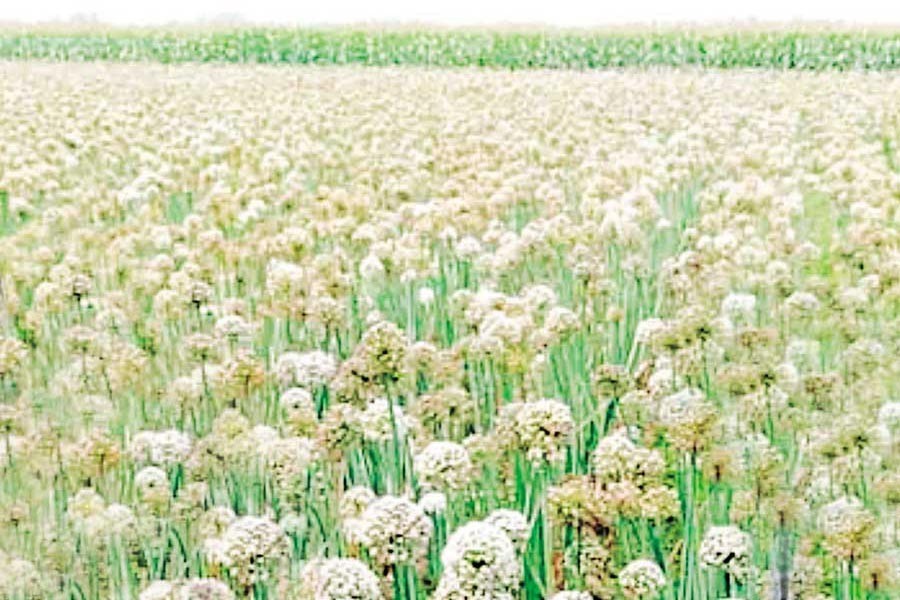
(808, 49)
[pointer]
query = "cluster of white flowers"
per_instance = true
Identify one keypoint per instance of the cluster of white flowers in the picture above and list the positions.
(19, 578)
(378, 424)
(641, 578)
(479, 561)
(433, 503)
(305, 369)
(688, 417)
(802, 303)
(233, 328)
(847, 527)
(571, 595)
(443, 466)
(889, 415)
(739, 307)
(248, 548)
(161, 448)
(95, 519)
(339, 579)
(152, 485)
(187, 589)
(287, 458)
(728, 548)
(647, 330)
(354, 501)
(395, 530)
(617, 458)
(514, 524)
(835, 517)
(300, 410)
(541, 428)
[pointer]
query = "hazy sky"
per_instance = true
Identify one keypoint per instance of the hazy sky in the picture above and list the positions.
(455, 12)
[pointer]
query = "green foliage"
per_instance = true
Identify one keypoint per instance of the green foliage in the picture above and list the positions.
(582, 49)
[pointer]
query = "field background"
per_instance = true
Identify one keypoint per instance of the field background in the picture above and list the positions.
(522, 48)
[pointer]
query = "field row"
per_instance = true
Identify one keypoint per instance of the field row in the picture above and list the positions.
(785, 49)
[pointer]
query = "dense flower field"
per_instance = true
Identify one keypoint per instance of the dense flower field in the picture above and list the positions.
(767, 46)
(334, 334)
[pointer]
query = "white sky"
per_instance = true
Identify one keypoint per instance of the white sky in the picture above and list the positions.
(457, 12)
